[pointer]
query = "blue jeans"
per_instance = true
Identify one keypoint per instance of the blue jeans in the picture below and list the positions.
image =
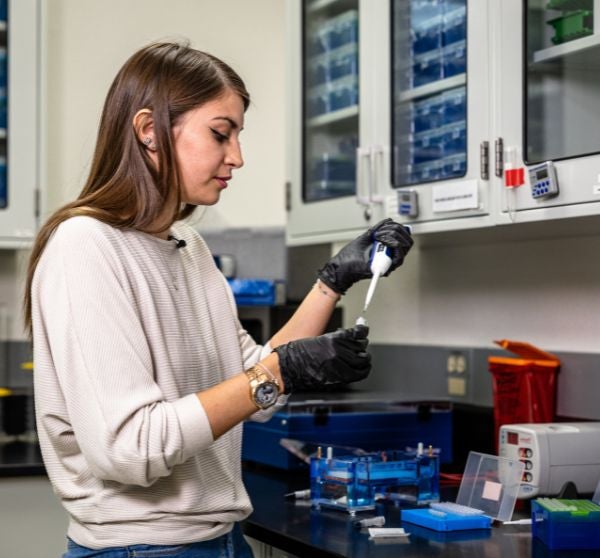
(231, 545)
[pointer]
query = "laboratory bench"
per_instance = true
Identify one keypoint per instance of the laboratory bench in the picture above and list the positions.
(293, 526)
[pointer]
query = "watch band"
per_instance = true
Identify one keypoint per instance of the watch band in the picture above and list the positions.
(259, 378)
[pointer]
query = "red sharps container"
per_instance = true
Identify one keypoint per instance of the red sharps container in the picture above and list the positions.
(524, 388)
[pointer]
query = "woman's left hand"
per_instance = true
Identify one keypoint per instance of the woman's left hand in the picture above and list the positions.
(353, 262)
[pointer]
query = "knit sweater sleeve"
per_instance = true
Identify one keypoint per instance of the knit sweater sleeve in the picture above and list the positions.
(87, 332)
(252, 352)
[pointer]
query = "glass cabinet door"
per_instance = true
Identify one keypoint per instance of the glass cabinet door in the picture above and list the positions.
(562, 80)
(328, 198)
(330, 54)
(20, 121)
(548, 113)
(430, 108)
(440, 111)
(3, 101)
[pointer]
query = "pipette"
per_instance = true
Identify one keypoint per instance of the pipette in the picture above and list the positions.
(380, 263)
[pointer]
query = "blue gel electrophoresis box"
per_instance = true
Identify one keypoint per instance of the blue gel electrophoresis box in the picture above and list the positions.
(371, 426)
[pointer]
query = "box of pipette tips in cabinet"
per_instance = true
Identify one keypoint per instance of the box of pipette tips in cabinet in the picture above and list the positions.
(359, 424)
(562, 523)
(354, 483)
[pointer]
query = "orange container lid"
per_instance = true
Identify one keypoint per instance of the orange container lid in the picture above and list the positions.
(528, 353)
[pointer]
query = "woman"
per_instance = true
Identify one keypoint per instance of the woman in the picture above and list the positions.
(143, 374)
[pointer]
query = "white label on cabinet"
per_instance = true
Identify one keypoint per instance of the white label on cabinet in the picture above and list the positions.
(455, 196)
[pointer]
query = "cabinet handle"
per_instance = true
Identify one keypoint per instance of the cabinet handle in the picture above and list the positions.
(363, 157)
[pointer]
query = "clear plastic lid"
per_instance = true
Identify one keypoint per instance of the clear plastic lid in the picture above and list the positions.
(491, 484)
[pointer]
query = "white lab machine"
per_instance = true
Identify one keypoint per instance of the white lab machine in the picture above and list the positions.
(554, 454)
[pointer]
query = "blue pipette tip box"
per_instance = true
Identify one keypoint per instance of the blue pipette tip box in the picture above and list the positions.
(562, 523)
(445, 521)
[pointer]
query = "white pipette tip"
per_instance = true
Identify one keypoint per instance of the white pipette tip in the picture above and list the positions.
(361, 321)
(371, 290)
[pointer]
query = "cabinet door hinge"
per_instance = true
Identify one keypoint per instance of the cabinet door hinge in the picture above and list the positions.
(484, 159)
(499, 150)
(288, 195)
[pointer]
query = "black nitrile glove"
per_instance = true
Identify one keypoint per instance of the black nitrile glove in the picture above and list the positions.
(327, 360)
(353, 262)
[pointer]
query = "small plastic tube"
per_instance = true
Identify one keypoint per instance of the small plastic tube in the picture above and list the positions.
(299, 494)
(378, 521)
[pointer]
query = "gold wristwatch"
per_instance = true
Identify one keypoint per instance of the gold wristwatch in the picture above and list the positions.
(264, 388)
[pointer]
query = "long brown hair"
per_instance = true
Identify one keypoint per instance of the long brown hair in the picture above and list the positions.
(124, 188)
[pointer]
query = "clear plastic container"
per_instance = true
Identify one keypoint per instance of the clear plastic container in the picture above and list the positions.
(429, 113)
(454, 26)
(332, 168)
(318, 101)
(455, 105)
(343, 62)
(491, 484)
(343, 93)
(428, 146)
(454, 166)
(454, 59)
(427, 35)
(427, 67)
(351, 483)
(454, 138)
(429, 171)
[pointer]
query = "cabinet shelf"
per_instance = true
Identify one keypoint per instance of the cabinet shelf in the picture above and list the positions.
(333, 117)
(579, 51)
(431, 88)
(2, 133)
(3, 26)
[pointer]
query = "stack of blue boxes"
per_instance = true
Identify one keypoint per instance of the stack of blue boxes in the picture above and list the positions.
(435, 140)
(332, 65)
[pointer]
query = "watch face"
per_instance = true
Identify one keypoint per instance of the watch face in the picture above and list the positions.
(266, 394)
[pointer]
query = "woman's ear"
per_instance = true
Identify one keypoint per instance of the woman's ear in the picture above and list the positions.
(143, 124)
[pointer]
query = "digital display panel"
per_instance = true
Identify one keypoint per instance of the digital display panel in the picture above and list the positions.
(541, 174)
(512, 438)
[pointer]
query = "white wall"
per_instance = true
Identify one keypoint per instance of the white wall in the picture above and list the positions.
(545, 291)
(89, 40)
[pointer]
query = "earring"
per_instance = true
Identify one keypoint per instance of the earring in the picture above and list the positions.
(147, 141)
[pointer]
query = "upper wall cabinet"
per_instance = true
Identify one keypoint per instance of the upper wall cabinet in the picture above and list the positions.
(335, 161)
(549, 119)
(19, 121)
(439, 120)
(444, 114)
(389, 115)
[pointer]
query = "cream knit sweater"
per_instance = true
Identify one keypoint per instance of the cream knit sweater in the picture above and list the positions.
(127, 328)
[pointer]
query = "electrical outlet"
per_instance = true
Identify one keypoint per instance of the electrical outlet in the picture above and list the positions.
(456, 367)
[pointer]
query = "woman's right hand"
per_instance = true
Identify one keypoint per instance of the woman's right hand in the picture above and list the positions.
(331, 359)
